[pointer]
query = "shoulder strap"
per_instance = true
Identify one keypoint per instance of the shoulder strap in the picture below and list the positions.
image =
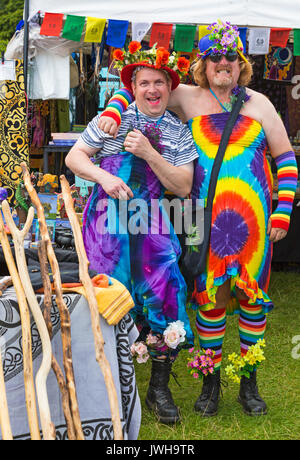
(222, 147)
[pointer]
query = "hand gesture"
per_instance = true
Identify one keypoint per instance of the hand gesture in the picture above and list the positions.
(275, 234)
(116, 188)
(109, 126)
(138, 144)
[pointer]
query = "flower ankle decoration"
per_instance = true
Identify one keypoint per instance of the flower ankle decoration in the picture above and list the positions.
(243, 365)
(160, 344)
(201, 363)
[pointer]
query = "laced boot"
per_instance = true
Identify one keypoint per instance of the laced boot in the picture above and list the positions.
(207, 403)
(159, 397)
(249, 397)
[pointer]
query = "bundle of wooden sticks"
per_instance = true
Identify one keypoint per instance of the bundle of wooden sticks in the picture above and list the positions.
(27, 301)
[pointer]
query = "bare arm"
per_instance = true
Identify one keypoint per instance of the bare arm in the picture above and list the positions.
(79, 161)
(176, 179)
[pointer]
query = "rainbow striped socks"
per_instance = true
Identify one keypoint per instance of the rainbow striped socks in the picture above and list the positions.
(118, 104)
(211, 330)
(252, 325)
(287, 174)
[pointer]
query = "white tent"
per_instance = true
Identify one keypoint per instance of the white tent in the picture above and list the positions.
(268, 13)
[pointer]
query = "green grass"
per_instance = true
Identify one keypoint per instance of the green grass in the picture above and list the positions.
(278, 381)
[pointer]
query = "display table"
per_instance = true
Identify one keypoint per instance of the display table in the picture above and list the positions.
(91, 390)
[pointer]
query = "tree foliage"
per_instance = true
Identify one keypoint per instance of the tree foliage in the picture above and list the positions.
(11, 13)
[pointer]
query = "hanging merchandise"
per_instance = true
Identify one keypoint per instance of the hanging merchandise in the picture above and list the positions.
(184, 37)
(52, 24)
(279, 64)
(139, 30)
(161, 34)
(94, 30)
(13, 131)
(116, 33)
(258, 40)
(73, 27)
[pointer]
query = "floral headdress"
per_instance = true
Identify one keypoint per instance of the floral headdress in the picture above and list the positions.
(223, 37)
(156, 58)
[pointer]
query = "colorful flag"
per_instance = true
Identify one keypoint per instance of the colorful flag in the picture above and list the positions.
(184, 37)
(161, 34)
(94, 29)
(296, 42)
(258, 40)
(116, 33)
(202, 31)
(73, 27)
(139, 30)
(52, 24)
(243, 35)
(279, 37)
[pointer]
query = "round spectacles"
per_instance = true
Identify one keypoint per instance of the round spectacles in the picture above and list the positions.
(231, 56)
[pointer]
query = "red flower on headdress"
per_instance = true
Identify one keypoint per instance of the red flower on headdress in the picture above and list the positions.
(162, 57)
(118, 55)
(134, 46)
(183, 64)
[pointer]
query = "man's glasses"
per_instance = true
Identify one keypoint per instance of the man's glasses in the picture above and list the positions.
(231, 56)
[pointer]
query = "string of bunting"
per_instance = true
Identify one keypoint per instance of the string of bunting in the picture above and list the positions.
(72, 28)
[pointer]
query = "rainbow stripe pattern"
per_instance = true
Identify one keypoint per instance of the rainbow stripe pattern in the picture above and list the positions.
(252, 325)
(240, 249)
(118, 104)
(287, 174)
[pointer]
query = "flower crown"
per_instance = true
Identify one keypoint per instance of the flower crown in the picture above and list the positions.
(225, 37)
(158, 57)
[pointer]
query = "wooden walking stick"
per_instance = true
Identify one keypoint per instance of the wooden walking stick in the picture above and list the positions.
(26, 336)
(65, 320)
(18, 236)
(42, 253)
(92, 302)
(4, 414)
(5, 283)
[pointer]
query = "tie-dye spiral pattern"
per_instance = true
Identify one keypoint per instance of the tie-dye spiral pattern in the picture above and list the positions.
(239, 247)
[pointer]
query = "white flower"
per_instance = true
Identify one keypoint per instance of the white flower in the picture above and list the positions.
(174, 334)
(141, 350)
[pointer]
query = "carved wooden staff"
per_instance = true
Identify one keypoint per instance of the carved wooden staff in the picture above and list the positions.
(26, 336)
(65, 320)
(42, 253)
(18, 236)
(92, 302)
(4, 414)
(5, 283)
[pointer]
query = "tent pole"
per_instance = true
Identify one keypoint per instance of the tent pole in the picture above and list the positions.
(25, 49)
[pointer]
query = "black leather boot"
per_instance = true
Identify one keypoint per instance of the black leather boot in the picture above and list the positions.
(208, 401)
(249, 397)
(159, 397)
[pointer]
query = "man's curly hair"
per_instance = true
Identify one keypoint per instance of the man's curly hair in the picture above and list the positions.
(199, 73)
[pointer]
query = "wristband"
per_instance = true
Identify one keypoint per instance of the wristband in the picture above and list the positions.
(118, 104)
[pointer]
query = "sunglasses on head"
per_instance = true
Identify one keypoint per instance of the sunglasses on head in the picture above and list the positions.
(231, 56)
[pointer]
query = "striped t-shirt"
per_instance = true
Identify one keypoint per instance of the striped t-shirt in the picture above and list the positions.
(177, 141)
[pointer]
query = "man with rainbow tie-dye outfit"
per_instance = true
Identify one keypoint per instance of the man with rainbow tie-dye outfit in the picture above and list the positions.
(243, 226)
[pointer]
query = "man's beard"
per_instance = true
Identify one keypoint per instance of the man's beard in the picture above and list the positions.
(223, 81)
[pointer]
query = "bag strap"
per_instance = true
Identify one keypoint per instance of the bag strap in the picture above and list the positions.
(222, 147)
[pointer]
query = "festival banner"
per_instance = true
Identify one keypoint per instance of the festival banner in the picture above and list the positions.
(243, 36)
(139, 30)
(73, 27)
(116, 33)
(52, 24)
(94, 29)
(202, 31)
(296, 50)
(184, 37)
(258, 40)
(161, 34)
(279, 37)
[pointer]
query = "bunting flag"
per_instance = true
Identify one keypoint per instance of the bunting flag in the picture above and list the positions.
(94, 29)
(243, 36)
(279, 37)
(296, 51)
(52, 24)
(259, 40)
(202, 31)
(73, 27)
(161, 34)
(139, 30)
(184, 37)
(116, 33)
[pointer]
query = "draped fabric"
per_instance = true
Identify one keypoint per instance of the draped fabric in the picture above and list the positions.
(13, 131)
(240, 249)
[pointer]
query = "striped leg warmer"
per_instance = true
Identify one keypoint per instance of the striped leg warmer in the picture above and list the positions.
(252, 325)
(211, 330)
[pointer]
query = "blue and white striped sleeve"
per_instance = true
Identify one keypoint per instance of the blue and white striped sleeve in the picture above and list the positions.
(187, 151)
(92, 135)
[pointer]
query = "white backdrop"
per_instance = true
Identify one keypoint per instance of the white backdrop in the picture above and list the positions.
(269, 13)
